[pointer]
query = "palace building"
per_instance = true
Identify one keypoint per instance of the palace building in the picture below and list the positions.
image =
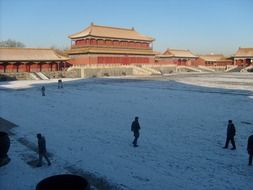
(30, 60)
(243, 57)
(177, 57)
(213, 60)
(105, 51)
(110, 45)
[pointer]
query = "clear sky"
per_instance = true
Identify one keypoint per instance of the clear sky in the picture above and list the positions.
(203, 26)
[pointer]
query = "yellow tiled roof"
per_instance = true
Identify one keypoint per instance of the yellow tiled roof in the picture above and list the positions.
(111, 32)
(178, 53)
(29, 54)
(244, 52)
(213, 57)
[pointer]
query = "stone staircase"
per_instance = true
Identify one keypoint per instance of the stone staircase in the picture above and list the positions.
(231, 68)
(138, 70)
(38, 76)
(234, 69)
(247, 69)
(152, 70)
(165, 69)
(187, 69)
(42, 76)
(34, 76)
(205, 68)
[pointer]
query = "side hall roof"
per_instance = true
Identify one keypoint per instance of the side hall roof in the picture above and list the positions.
(244, 52)
(214, 57)
(30, 54)
(177, 53)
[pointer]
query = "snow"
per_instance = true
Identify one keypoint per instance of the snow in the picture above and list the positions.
(183, 122)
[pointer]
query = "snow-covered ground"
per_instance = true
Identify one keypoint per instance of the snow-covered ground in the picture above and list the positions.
(87, 126)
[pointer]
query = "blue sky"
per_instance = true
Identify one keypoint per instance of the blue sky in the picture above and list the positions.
(203, 26)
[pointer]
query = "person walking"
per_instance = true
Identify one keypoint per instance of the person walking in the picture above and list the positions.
(43, 89)
(250, 149)
(135, 127)
(42, 150)
(60, 85)
(230, 135)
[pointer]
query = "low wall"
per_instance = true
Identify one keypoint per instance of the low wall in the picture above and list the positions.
(74, 73)
(165, 69)
(100, 72)
(15, 76)
(88, 71)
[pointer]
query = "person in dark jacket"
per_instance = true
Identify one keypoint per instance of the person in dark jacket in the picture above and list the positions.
(60, 84)
(250, 149)
(43, 89)
(135, 127)
(230, 135)
(42, 150)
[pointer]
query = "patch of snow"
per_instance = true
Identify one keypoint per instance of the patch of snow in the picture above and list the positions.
(87, 125)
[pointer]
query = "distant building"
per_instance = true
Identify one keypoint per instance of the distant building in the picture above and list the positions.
(213, 60)
(176, 56)
(30, 60)
(110, 45)
(243, 57)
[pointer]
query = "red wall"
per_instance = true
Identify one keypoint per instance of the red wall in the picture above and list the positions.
(80, 60)
(30, 67)
(122, 60)
(1, 68)
(201, 61)
(242, 62)
(97, 59)
(176, 61)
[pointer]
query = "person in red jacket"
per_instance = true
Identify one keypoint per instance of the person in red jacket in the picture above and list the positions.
(250, 149)
(230, 135)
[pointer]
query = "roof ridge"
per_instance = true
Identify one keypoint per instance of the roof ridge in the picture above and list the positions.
(82, 30)
(245, 48)
(90, 28)
(213, 54)
(178, 49)
(17, 48)
(129, 29)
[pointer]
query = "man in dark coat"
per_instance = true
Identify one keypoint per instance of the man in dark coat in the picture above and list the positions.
(230, 135)
(135, 127)
(42, 150)
(60, 85)
(43, 89)
(250, 149)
